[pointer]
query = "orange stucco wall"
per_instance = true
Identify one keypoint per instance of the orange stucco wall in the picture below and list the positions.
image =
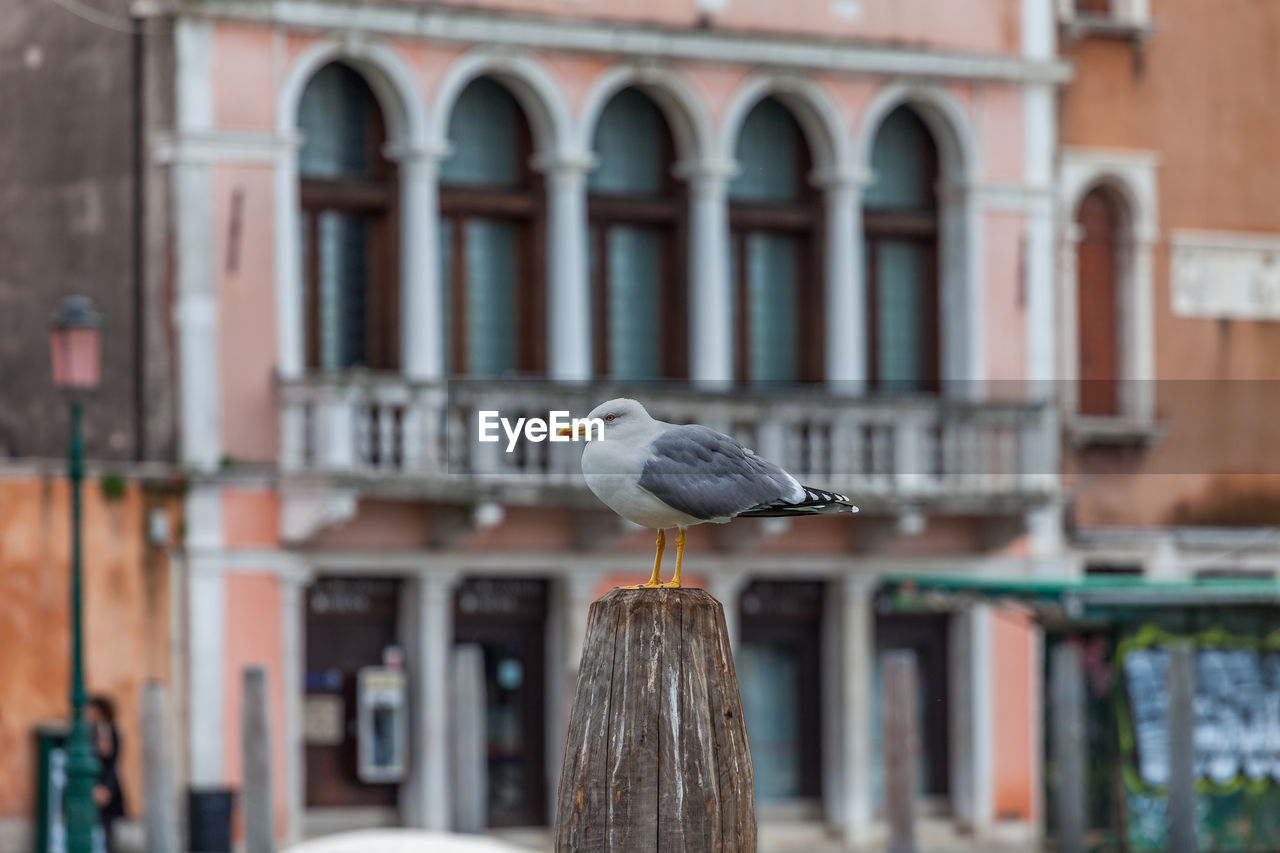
(126, 620)
(1198, 95)
(1013, 714)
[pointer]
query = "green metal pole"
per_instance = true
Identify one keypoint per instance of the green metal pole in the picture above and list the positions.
(82, 764)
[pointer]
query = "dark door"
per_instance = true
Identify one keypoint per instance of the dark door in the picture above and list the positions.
(926, 635)
(350, 622)
(779, 665)
(507, 619)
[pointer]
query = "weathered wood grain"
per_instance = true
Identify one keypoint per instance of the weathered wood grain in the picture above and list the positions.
(902, 748)
(656, 756)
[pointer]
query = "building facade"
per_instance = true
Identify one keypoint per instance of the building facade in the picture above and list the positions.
(831, 235)
(1167, 246)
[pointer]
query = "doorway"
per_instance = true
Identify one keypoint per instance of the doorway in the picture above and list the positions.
(926, 635)
(350, 624)
(507, 619)
(779, 669)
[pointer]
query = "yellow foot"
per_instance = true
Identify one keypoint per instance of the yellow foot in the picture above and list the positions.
(671, 585)
(649, 585)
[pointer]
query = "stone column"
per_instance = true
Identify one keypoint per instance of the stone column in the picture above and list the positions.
(845, 331)
(427, 798)
(856, 706)
(568, 285)
(710, 291)
(206, 640)
(292, 641)
(421, 305)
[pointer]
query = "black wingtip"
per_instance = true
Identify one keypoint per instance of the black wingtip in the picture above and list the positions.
(815, 502)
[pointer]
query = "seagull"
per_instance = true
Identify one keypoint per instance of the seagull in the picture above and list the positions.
(662, 475)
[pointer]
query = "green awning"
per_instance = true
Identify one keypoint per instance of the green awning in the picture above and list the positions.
(1074, 597)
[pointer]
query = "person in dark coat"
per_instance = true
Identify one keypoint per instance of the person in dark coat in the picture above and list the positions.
(108, 792)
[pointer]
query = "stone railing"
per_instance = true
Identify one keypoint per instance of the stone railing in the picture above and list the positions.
(388, 430)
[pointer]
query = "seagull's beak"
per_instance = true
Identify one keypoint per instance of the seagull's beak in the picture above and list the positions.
(582, 430)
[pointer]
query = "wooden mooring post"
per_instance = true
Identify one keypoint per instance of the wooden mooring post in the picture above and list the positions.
(656, 757)
(255, 734)
(901, 748)
(1067, 716)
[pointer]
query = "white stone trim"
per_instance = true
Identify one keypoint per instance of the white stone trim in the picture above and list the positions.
(405, 114)
(640, 42)
(818, 115)
(1039, 129)
(533, 86)
(961, 313)
(1225, 274)
(1132, 176)
(196, 305)
(857, 594)
(1037, 29)
(709, 290)
(206, 636)
(683, 106)
(218, 146)
(569, 338)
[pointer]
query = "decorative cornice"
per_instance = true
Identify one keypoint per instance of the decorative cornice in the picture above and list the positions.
(647, 42)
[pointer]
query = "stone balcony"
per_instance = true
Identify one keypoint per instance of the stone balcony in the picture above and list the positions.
(382, 434)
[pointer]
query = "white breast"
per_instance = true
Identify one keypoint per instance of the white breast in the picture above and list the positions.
(613, 473)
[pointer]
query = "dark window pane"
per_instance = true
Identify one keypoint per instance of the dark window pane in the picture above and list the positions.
(902, 164)
(902, 272)
(634, 270)
(772, 307)
(628, 146)
(492, 251)
(768, 155)
(484, 133)
(343, 255)
(333, 118)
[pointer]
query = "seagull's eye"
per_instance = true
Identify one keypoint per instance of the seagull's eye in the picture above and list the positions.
(610, 417)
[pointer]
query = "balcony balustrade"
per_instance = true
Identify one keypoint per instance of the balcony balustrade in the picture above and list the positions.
(381, 432)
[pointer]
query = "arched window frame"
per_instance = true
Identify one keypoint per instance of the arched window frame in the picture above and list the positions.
(1131, 177)
(665, 211)
(522, 205)
(371, 197)
(800, 217)
(920, 226)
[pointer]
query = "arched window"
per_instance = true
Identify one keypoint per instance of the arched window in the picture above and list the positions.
(900, 223)
(773, 262)
(1097, 306)
(490, 226)
(637, 263)
(349, 254)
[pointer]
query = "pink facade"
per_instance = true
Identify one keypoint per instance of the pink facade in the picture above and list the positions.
(285, 501)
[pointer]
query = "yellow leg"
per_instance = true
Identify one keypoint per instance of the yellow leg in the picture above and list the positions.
(675, 581)
(655, 581)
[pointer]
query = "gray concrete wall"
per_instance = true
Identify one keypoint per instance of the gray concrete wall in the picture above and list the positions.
(66, 225)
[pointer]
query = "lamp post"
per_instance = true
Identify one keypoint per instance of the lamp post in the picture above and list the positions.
(75, 342)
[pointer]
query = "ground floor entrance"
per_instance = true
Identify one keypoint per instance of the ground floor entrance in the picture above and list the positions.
(507, 618)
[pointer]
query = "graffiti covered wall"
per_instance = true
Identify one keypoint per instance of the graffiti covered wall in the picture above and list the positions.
(1237, 737)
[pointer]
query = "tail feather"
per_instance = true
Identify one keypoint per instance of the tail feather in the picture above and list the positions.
(814, 502)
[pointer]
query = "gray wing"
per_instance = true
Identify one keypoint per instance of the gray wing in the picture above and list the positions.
(709, 475)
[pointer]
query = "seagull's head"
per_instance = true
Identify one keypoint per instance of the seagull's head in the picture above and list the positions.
(620, 417)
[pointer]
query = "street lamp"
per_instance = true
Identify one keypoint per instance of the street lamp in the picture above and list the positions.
(75, 342)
